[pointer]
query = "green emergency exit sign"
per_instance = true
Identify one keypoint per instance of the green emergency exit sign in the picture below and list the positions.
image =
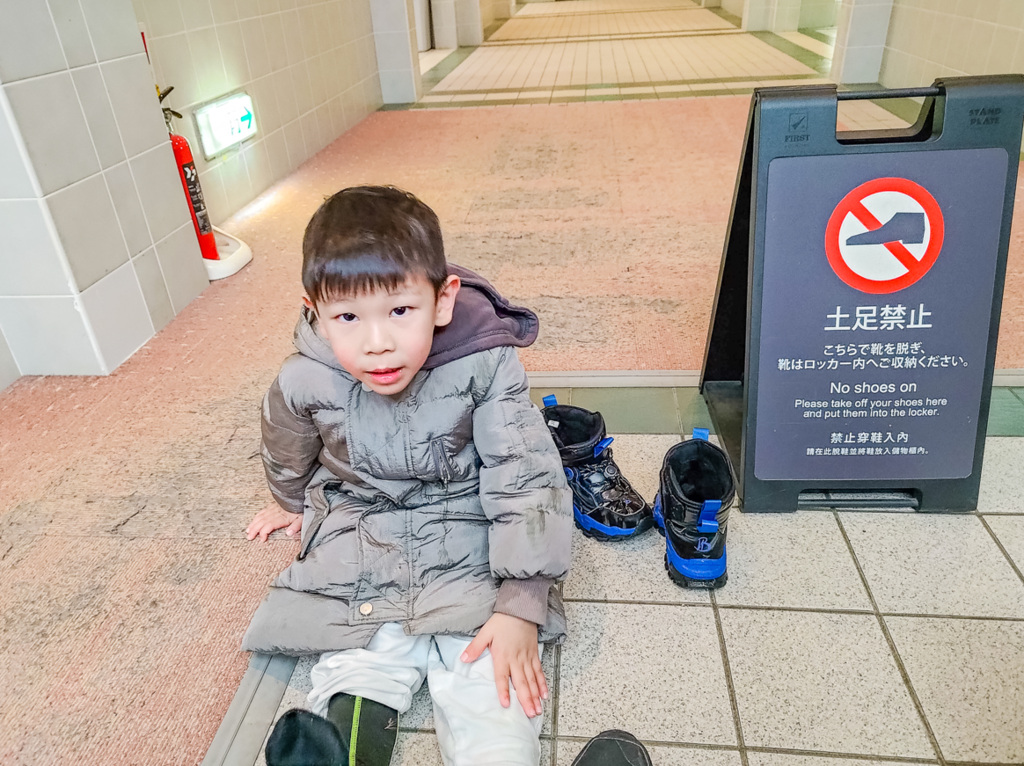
(225, 123)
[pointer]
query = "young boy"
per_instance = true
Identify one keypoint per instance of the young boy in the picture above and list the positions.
(431, 499)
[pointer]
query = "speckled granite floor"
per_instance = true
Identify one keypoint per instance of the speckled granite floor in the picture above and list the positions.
(839, 638)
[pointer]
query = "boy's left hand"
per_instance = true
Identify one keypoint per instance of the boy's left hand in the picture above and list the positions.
(513, 645)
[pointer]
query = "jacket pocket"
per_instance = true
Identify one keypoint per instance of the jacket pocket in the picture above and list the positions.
(442, 461)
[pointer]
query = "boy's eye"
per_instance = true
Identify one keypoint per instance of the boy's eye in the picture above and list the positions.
(347, 317)
(400, 311)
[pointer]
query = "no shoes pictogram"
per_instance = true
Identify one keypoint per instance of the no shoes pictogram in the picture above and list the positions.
(884, 235)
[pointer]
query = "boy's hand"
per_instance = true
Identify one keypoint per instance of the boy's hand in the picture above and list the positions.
(513, 645)
(271, 518)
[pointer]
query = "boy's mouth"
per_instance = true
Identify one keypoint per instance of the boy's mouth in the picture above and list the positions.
(386, 375)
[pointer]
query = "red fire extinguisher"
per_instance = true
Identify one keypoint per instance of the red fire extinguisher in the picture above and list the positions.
(190, 180)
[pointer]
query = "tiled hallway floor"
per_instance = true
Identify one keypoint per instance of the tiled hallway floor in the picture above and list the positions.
(582, 50)
(860, 636)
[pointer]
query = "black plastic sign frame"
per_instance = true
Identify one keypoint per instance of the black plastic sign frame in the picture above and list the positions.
(852, 344)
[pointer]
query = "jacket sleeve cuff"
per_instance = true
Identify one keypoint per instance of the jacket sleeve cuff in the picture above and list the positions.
(525, 599)
(290, 504)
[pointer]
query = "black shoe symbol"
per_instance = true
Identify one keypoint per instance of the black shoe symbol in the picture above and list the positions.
(907, 228)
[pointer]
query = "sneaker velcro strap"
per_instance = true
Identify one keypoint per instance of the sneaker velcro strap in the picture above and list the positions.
(707, 522)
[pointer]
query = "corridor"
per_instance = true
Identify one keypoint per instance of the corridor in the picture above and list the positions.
(588, 50)
(583, 159)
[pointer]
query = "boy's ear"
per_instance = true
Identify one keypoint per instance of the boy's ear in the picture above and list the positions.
(308, 303)
(446, 301)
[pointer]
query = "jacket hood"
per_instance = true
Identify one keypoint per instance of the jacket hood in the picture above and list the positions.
(482, 320)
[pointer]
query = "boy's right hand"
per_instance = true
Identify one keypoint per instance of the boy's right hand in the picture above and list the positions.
(271, 518)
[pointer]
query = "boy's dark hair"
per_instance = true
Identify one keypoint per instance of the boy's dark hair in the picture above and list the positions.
(367, 238)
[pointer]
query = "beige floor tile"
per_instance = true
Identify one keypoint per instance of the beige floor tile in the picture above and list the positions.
(968, 675)
(1002, 475)
(818, 681)
(1010, 532)
(934, 564)
(640, 61)
(785, 759)
(630, 570)
(614, 674)
(791, 560)
(416, 749)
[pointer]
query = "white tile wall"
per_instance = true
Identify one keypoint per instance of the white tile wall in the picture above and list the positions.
(787, 15)
(30, 261)
(946, 38)
(154, 289)
(28, 41)
(86, 224)
(49, 336)
(9, 371)
(118, 315)
(394, 25)
(99, 114)
(468, 23)
(735, 7)
(860, 40)
(182, 266)
(15, 177)
(309, 65)
(815, 14)
(445, 31)
(160, 189)
(52, 124)
(128, 208)
(113, 31)
(81, 134)
(73, 32)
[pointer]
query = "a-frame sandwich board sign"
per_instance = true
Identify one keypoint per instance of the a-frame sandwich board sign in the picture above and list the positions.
(852, 344)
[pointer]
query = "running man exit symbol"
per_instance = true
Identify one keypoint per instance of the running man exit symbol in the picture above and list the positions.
(798, 122)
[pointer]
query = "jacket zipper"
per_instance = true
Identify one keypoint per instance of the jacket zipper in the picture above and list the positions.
(442, 464)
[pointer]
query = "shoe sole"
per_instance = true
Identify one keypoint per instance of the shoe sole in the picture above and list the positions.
(604, 537)
(688, 582)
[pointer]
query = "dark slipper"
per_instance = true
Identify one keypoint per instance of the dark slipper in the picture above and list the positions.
(613, 748)
(302, 739)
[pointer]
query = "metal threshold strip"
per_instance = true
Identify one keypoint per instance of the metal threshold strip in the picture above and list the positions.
(240, 738)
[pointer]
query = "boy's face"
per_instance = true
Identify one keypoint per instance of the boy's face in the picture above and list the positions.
(383, 338)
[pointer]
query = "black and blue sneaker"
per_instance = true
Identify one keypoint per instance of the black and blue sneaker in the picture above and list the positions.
(604, 503)
(692, 511)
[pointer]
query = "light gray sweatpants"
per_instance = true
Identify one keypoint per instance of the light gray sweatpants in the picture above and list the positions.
(473, 729)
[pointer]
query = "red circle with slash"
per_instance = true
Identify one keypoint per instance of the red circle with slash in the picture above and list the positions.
(904, 267)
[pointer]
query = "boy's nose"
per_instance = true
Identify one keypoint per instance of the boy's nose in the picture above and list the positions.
(379, 340)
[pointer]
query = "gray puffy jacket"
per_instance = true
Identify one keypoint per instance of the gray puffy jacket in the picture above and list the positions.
(433, 508)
